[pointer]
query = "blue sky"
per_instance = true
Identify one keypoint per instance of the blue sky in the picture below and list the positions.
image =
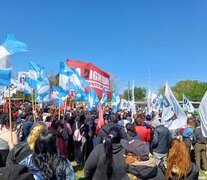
(128, 38)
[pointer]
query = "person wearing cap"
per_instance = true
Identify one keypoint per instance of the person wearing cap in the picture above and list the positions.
(140, 165)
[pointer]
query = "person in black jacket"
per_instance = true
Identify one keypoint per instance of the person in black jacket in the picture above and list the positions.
(104, 131)
(106, 161)
(160, 142)
(140, 165)
(178, 165)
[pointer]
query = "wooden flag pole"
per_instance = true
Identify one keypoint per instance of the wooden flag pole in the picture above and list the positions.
(59, 111)
(10, 117)
(65, 104)
(23, 98)
(35, 106)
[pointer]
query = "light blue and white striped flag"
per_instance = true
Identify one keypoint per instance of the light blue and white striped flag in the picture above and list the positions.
(104, 97)
(91, 99)
(64, 78)
(76, 79)
(35, 73)
(115, 101)
(27, 88)
(9, 47)
(43, 91)
(57, 96)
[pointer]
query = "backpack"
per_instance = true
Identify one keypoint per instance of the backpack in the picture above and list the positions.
(18, 153)
(19, 130)
(77, 136)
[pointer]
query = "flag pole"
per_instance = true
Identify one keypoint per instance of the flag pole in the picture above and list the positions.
(59, 111)
(65, 108)
(23, 98)
(33, 106)
(10, 117)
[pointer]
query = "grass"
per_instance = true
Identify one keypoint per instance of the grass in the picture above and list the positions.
(79, 174)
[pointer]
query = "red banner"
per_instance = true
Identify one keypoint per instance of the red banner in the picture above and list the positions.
(95, 77)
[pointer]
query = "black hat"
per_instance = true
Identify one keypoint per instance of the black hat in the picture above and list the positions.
(136, 147)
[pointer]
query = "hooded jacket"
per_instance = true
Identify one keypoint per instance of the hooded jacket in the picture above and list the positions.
(144, 170)
(104, 131)
(96, 167)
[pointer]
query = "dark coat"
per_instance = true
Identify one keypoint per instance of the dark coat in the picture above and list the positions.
(161, 139)
(192, 173)
(144, 172)
(104, 131)
(96, 167)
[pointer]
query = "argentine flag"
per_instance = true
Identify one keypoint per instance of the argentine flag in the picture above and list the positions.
(64, 78)
(75, 79)
(9, 47)
(35, 73)
(43, 91)
(57, 96)
(104, 97)
(115, 101)
(27, 88)
(91, 99)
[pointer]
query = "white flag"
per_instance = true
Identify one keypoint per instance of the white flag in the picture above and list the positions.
(133, 105)
(173, 117)
(187, 104)
(149, 108)
(203, 115)
(125, 104)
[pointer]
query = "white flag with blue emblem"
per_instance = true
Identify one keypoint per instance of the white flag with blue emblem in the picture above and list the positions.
(173, 116)
(115, 102)
(203, 115)
(187, 104)
(9, 47)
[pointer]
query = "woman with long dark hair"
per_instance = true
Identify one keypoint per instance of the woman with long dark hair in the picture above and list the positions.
(106, 161)
(43, 162)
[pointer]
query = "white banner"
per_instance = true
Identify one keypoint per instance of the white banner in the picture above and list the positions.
(187, 104)
(173, 117)
(203, 115)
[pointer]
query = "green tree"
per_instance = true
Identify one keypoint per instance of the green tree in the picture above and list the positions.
(139, 94)
(194, 90)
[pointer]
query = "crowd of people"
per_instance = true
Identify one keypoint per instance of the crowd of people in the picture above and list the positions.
(42, 144)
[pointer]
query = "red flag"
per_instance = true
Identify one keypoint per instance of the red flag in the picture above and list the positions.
(100, 118)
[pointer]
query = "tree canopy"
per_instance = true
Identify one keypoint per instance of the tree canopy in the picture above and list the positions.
(194, 90)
